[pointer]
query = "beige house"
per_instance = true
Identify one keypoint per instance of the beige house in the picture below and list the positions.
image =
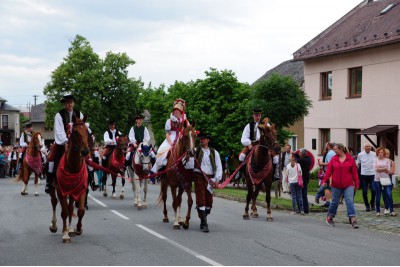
(352, 76)
(9, 123)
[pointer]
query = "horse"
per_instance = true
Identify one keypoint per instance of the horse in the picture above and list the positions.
(259, 170)
(138, 170)
(177, 177)
(116, 164)
(32, 163)
(71, 180)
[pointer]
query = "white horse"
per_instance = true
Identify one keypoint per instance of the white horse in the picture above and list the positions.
(138, 170)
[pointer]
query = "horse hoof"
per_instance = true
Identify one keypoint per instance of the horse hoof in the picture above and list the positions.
(246, 217)
(177, 227)
(66, 240)
(135, 205)
(254, 215)
(121, 197)
(144, 206)
(78, 232)
(104, 194)
(270, 219)
(53, 230)
(165, 220)
(71, 234)
(186, 226)
(139, 207)
(36, 194)
(24, 193)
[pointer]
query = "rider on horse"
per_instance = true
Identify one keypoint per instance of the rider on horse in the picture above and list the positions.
(251, 134)
(62, 125)
(173, 127)
(206, 178)
(137, 134)
(110, 141)
(25, 139)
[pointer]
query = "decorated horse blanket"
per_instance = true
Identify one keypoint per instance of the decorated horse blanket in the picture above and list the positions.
(73, 184)
(35, 163)
(257, 175)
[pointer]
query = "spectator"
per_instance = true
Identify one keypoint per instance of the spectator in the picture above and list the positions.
(325, 161)
(382, 169)
(2, 164)
(344, 180)
(391, 173)
(13, 158)
(365, 160)
(293, 170)
(305, 163)
(285, 157)
(276, 168)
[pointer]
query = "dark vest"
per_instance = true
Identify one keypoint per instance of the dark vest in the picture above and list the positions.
(111, 135)
(139, 133)
(199, 156)
(26, 137)
(253, 135)
(12, 155)
(65, 117)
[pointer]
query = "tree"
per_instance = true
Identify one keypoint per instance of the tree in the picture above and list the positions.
(102, 88)
(282, 100)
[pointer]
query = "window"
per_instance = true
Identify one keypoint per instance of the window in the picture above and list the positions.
(4, 122)
(355, 82)
(325, 137)
(293, 142)
(354, 140)
(326, 85)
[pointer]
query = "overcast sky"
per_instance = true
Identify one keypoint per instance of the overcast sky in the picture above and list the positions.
(169, 39)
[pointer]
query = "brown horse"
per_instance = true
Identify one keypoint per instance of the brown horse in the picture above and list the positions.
(72, 180)
(178, 177)
(259, 170)
(116, 164)
(32, 163)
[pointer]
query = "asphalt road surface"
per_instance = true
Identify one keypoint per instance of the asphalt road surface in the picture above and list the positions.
(116, 233)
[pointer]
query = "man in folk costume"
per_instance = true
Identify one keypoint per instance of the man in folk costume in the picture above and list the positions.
(13, 158)
(173, 126)
(206, 178)
(137, 134)
(110, 140)
(251, 134)
(24, 141)
(61, 131)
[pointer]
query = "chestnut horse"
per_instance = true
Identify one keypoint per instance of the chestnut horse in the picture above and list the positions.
(259, 170)
(32, 163)
(178, 177)
(72, 180)
(138, 170)
(116, 164)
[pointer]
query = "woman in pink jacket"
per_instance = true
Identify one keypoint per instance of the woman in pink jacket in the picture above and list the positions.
(343, 171)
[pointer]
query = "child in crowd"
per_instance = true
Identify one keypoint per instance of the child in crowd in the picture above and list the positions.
(293, 170)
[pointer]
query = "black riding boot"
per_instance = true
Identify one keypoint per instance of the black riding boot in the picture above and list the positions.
(49, 181)
(91, 181)
(200, 216)
(204, 221)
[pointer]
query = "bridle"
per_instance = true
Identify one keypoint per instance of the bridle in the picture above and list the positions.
(77, 146)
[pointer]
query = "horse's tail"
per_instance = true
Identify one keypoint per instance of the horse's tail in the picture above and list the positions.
(162, 192)
(20, 176)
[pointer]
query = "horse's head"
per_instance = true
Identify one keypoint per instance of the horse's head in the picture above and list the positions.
(144, 154)
(189, 138)
(267, 134)
(78, 139)
(36, 140)
(122, 143)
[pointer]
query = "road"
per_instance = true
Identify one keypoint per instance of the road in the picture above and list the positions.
(116, 233)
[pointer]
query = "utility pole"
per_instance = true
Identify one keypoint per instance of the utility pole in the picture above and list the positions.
(35, 96)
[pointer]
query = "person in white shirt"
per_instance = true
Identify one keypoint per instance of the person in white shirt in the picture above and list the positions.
(137, 134)
(365, 160)
(293, 170)
(13, 158)
(210, 166)
(110, 140)
(285, 158)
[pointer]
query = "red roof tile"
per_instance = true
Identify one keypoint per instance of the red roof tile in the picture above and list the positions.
(361, 28)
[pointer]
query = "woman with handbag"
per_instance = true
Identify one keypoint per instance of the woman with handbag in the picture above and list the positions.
(382, 180)
(295, 180)
(342, 170)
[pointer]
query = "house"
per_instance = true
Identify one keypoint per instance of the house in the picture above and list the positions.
(38, 118)
(296, 71)
(352, 76)
(9, 123)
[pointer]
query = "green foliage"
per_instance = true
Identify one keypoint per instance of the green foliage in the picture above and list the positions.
(282, 100)
(101, 87)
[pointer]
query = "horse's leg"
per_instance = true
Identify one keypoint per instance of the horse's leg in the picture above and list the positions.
(25, 180)
(254, 212)
(81, 212)
(133, 182)
(114, 181)
(121, 196)
(104, 182)
(190, 204)
(64, 215)
(248, 198)
(164, 188)
(175, 205)
(71, 201)
(138, 184)
(145, 183)
(36, 185)
(179, 201)
(53, 226)
(268, 184)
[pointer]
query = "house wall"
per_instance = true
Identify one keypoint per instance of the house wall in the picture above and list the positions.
(380, 94)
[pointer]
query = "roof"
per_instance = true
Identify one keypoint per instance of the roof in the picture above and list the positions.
(379, 129)
(6, 107)
(38, 113)
(291, 68)
(363, 27)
